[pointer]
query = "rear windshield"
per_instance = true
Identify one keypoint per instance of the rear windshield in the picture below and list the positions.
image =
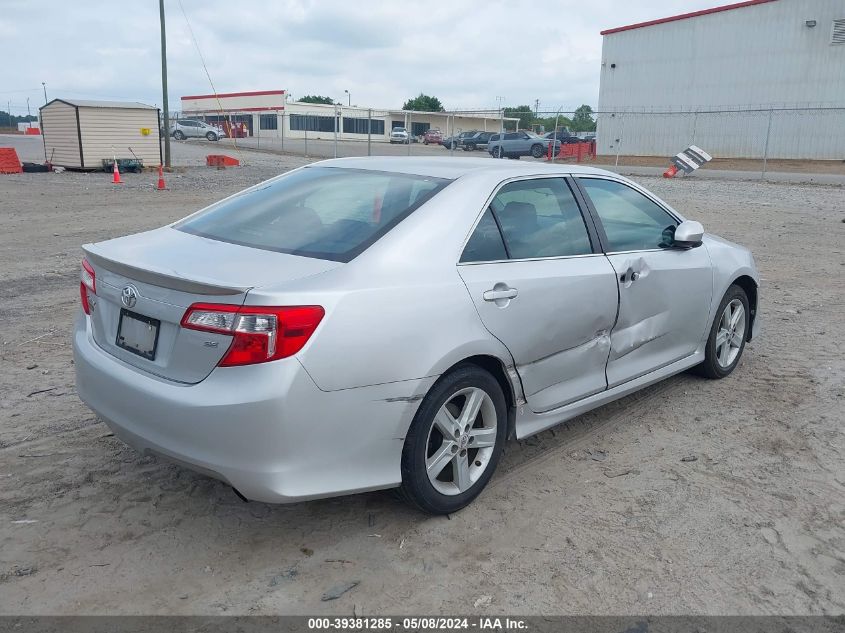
(322, 212)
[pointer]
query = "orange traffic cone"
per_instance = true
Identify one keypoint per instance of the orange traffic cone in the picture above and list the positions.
(161, 185)
(669, 173)
(116, 175)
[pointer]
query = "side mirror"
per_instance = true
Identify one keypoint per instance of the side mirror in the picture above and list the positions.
(688, 234)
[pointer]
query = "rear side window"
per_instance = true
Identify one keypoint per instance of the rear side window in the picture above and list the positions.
(322, 212)
(485, 244)
(540, 218)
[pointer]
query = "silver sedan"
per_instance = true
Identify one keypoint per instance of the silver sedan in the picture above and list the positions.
(369, 323)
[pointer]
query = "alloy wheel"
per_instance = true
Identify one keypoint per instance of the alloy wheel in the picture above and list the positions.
(731, 333)
(461, 441)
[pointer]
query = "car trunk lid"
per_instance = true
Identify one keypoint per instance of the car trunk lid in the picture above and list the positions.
(146, 282)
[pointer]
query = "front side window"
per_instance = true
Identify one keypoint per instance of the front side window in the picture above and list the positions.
(538, 218)
(631, 221)
(323, 212)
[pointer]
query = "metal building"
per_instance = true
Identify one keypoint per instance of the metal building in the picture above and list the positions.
(269, 113)
(80, 134)
(754, 78)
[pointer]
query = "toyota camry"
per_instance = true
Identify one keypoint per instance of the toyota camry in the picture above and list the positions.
(370, 323)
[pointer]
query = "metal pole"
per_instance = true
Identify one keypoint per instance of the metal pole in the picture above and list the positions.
(619, 140)
(283, 130)
(336, 117)
(9, 112)
(766, 149)
(306, 135)
(554, 136)
(452, 142)
(44, 85)
(410, 121)
(370, 132)
(694, 126)
(165, 108)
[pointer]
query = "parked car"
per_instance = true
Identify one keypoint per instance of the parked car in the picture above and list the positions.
(564, 136)
(189, 128)
(455, 141)
(400, 135)
(257, 340)
(433, 135)
(478, 140)
(517, 144)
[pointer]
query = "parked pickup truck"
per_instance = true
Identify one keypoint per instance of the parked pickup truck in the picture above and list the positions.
(399, 135)
(516, 144)
(564, 136)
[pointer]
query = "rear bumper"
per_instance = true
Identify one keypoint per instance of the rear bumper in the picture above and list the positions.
(265, 429)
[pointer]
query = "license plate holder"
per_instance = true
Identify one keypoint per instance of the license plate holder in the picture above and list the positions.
(138, 334)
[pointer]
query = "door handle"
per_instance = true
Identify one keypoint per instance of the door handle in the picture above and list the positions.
(496, 295)
(629, 275)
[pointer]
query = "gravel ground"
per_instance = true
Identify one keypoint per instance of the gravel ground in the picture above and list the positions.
(603, 515)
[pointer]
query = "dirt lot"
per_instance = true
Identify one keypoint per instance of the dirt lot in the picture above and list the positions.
(755, 524)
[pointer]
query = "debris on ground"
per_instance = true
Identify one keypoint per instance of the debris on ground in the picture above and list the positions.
(689, 458)
(338, 590)
(483, 601)
(597, 455)
(289, 574)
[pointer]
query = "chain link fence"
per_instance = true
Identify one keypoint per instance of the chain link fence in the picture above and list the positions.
(739, 138)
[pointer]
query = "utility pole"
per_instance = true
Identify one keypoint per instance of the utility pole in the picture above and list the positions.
(44, 85)
(536, 107)
(165, 109)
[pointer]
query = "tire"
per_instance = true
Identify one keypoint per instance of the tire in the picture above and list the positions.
(719, 362)
(537, 151)
(179, 135)
(469, 148)
(425, 142)
(211, 136)
(453, 487)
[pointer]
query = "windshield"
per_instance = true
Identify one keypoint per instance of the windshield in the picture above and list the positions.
(398, 129)
(322, 212)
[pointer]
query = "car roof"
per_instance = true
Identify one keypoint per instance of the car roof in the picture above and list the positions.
(453, 168)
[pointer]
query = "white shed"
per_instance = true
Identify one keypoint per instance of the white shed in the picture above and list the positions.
(79, 134)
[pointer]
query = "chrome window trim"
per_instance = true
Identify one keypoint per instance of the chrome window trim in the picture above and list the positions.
(561, 176)
(530, 259)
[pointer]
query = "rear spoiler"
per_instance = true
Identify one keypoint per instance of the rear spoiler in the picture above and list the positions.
(161, 279)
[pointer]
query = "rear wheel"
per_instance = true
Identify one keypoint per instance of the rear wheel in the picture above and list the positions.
(455, 441)
(728, 333)
(537, 151)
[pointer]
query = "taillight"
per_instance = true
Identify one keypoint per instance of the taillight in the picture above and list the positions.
(88, 283)
(259, 334)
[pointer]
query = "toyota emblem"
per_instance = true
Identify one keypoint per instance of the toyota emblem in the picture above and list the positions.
(129, 296)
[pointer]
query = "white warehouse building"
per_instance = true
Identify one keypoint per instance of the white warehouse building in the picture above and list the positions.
(745, 80)
(270, 113)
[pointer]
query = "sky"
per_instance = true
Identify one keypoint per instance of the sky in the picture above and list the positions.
(465, 52)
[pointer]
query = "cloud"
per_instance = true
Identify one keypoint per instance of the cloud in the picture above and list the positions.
(466, 52)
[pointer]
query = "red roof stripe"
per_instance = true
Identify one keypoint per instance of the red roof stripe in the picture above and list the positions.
(259, 93)
(684, 16)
